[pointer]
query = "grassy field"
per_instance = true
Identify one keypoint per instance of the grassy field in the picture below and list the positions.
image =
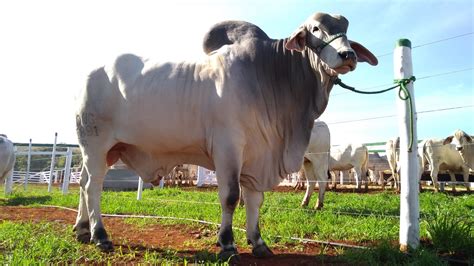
(361, 219)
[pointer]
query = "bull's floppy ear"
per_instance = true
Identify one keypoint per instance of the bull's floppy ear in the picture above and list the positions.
(297, 40)
(363, 54)
(448, 140)
(468, 138)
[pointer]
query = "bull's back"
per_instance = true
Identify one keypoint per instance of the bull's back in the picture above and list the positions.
(157, 105)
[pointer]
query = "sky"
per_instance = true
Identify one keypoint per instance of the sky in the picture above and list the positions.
(47, 49)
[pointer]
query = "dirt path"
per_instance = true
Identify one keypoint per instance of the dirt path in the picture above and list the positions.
(186, 240)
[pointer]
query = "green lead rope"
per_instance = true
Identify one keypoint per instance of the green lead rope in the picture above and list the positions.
(403, 94)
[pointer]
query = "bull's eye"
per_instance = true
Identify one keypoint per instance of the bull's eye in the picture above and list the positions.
(315, 29)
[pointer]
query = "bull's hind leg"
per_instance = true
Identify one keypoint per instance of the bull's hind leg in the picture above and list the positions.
(82, 226)
(254, 200)
(434, 178)
(310, 182)
(358, 178)
(96, 168)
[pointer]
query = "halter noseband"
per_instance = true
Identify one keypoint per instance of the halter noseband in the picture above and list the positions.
(325, 43)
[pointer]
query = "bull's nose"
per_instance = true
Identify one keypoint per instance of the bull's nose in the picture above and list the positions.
(459, 148)
(347, 55)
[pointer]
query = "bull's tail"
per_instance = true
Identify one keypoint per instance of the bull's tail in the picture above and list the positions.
(425, 159)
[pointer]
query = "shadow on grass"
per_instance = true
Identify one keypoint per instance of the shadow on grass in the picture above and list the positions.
(24, 201)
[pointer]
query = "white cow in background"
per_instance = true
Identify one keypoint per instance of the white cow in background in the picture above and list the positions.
(444, 157)
(392, 150)
(7, 160)
(316, 161)
(464, 145)
(350, 156)
(377, 166)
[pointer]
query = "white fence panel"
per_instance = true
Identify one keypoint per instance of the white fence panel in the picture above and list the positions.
(43, 177)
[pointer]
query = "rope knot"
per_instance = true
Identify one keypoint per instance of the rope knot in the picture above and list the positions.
(402, 83)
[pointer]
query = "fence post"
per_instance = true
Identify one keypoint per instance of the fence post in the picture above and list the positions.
(51, 169)
(67, 171)
(409, 203)
(27, 175)
(140, 188)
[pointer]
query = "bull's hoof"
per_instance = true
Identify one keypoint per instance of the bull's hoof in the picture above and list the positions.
(231, 256)
(105, 246)
(83, 233)
(84, 237)
(262, 251)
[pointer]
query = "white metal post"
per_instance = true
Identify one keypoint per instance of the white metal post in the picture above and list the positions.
(67, 170)
(51, 169)
(409, 203)
(27, 175)
(140, 188)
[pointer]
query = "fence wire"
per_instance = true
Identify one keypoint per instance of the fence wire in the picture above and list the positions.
(279, 208)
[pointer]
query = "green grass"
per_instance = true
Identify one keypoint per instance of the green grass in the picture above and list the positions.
(30, 244)
(367, 219)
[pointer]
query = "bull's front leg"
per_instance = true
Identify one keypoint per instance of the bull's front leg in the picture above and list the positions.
(229, 193)
(453, 181)
(253, 202)
(466, 178)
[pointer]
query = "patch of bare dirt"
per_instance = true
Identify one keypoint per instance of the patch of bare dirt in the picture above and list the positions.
(187, 241)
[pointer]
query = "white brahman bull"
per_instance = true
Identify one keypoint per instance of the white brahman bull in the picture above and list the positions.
(444, 157)
(245, 111)
(7, 159)
(351, 156)
(316, 163)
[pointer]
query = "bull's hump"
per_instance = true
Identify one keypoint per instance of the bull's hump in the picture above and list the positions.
(231, 32)
(127, 68)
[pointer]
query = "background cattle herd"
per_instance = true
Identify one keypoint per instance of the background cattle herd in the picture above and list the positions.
(344, 164)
